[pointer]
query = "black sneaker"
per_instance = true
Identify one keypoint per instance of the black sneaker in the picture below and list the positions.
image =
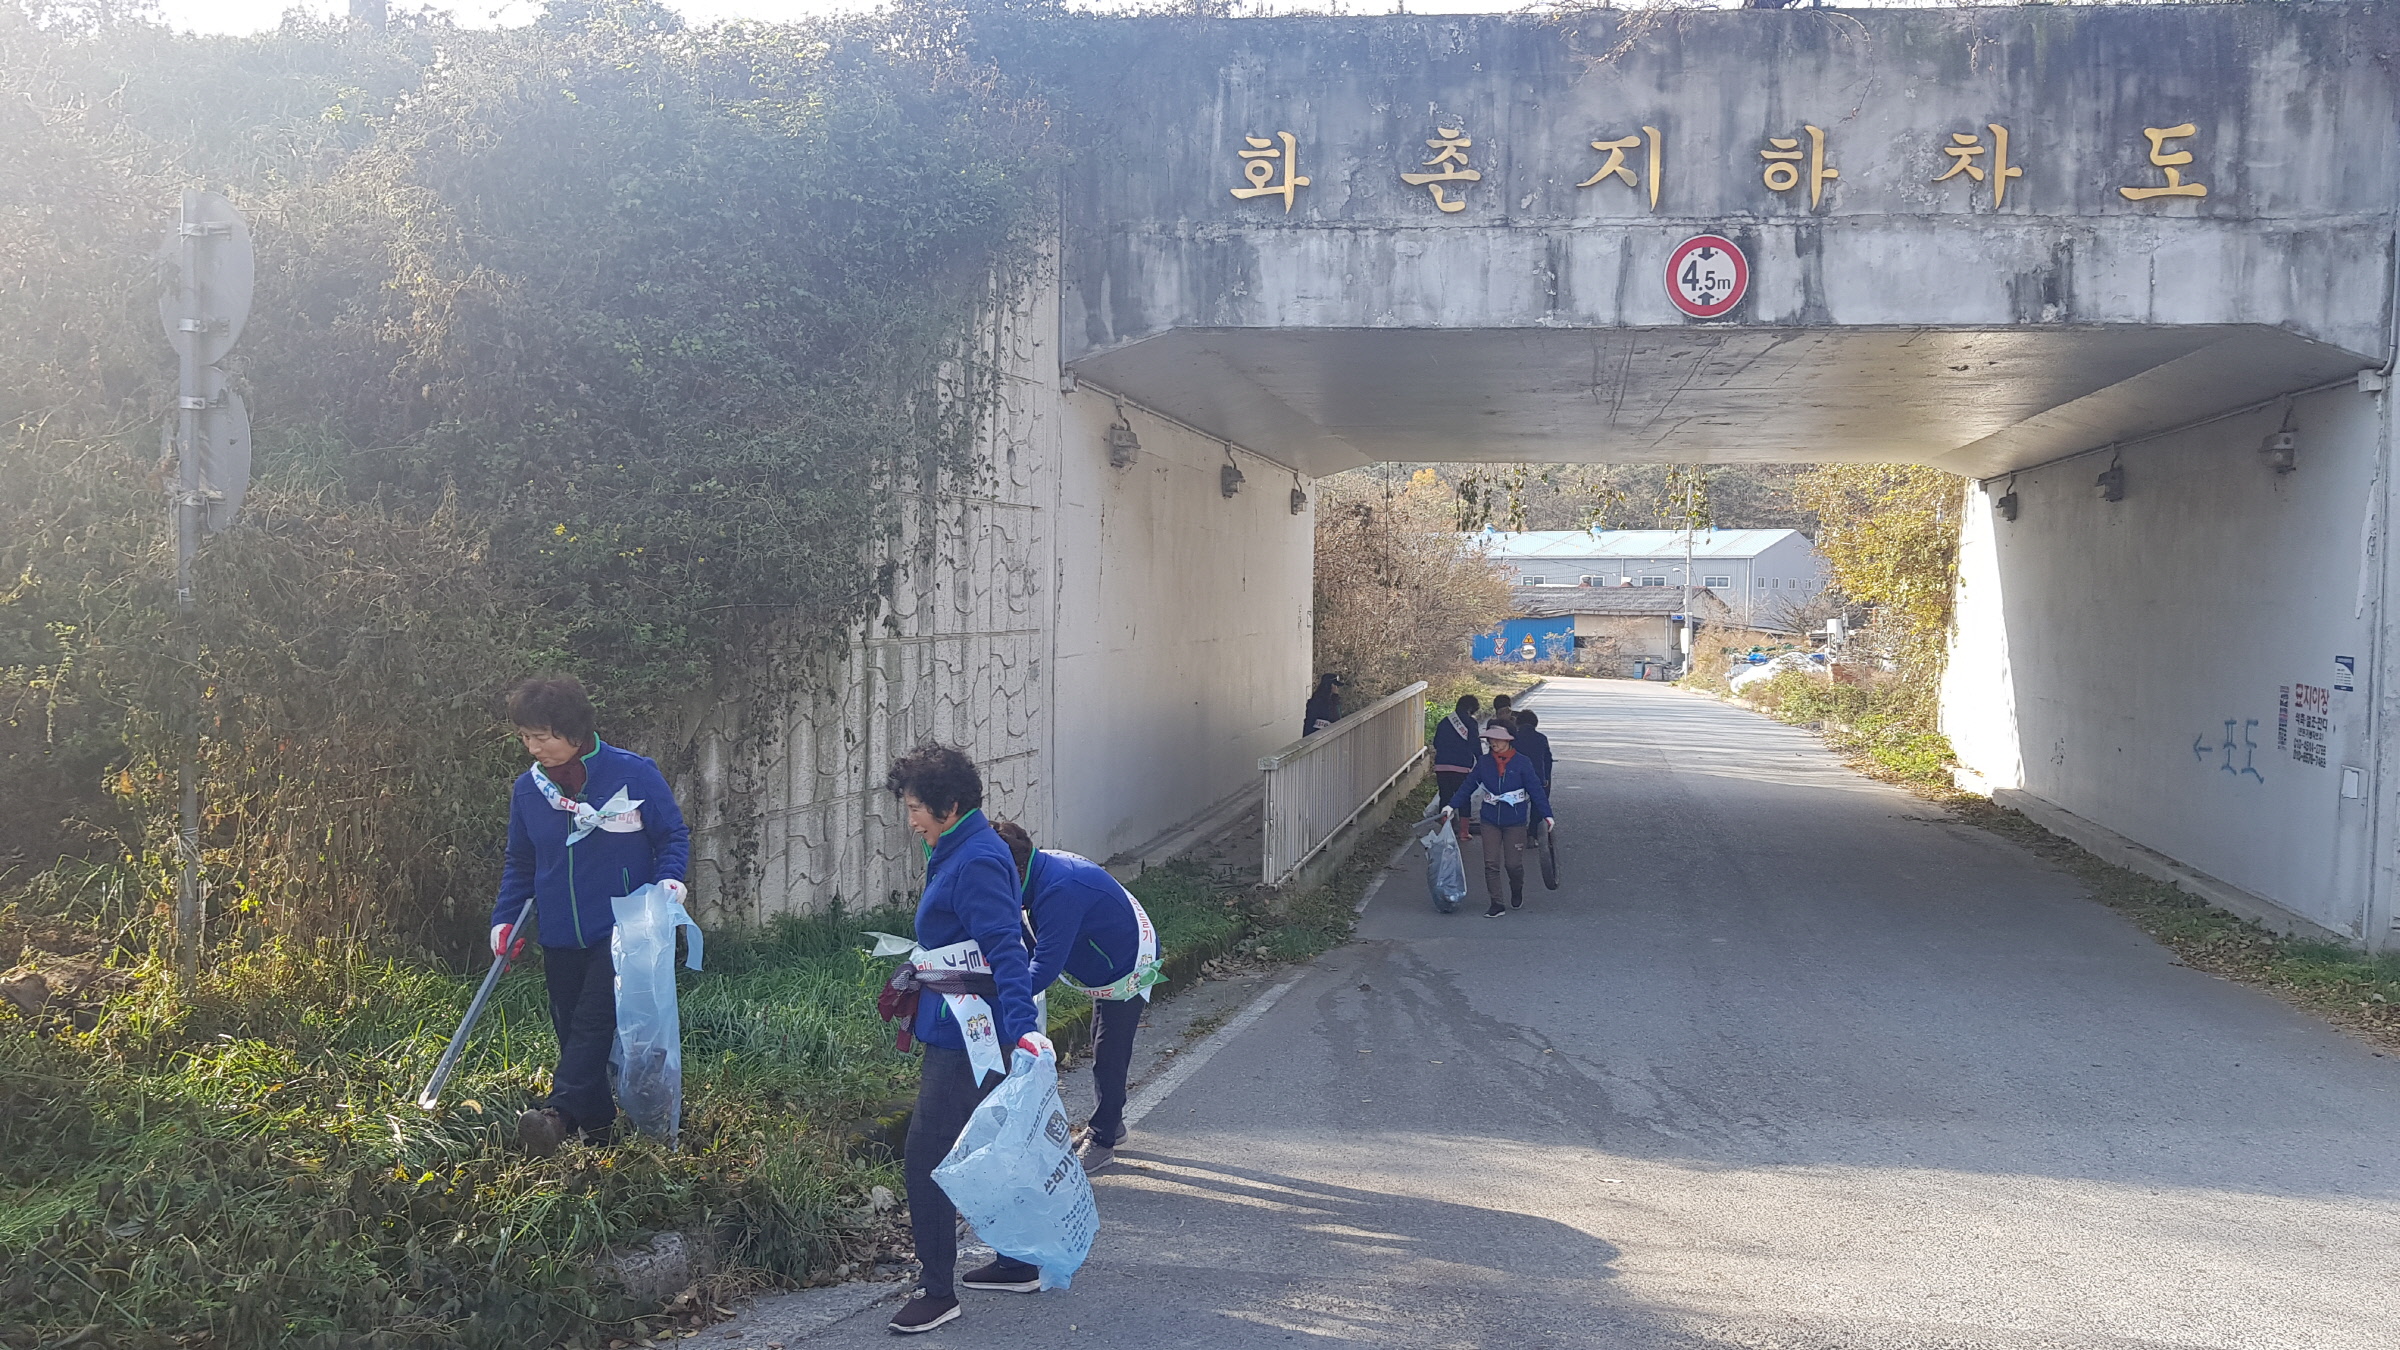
(1516, 899)
(1495, 911)
(924, 1312)
(1005, 1275)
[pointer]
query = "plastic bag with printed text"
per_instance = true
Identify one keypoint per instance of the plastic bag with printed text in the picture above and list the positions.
(1015, 1178)
(648, 1057)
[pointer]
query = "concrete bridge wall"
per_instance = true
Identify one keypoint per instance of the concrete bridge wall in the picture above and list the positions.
(1891, 315)
(1115, 646)
(2151, 664)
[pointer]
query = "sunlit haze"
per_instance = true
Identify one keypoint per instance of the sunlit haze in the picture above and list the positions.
(253, 16)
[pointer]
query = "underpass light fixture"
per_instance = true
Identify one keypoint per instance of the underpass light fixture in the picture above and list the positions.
(2008, 500)
(1229, 478)
(1299, 495)
(2110, 485)
(2281, 450)
(1123, 445)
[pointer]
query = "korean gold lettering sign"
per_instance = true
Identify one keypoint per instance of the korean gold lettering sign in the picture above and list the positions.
(1616, 167)
(1966, 148)
(1259, 164)
(1449, 165)
(1782, 155)
(2171, 161)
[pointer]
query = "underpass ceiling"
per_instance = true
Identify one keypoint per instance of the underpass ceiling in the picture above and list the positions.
(1973, 402)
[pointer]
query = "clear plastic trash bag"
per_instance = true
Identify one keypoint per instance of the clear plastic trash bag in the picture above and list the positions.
(1445, 870)
(647, 1060)
(1014, 1177)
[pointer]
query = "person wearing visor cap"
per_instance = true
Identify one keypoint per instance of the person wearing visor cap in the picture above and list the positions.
(1504, 794)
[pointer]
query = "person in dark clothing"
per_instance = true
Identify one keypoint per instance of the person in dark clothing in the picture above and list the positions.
(1457, 744)
(1324, 706)
(1504, 710)
(1535, 746)
(970, 908)
(1090, 931)
(1504, 793)
(570, 860)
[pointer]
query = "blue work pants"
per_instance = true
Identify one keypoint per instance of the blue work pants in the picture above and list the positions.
(583, 1009)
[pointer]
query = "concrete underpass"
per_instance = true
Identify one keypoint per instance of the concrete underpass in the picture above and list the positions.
(1791, 1059)
(2180, 250)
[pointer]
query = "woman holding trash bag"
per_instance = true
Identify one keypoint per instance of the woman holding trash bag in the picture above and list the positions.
(1504, 793)
(570, 859)
(970, 931)
(1089, 929)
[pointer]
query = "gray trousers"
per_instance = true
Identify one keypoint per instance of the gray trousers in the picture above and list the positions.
(1503, 851)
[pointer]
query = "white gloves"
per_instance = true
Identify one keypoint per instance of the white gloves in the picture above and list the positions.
(1038, 1044)
(677, 891)
(1448, 812)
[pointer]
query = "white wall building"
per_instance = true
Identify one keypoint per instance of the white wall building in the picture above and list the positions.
(1761, 575)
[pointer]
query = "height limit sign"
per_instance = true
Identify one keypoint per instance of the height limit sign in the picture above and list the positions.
(1707, 276)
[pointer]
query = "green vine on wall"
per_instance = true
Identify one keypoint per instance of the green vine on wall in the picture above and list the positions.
(598, 345)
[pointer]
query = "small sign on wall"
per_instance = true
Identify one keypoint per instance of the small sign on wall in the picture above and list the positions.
(2345, 673)
(2312, 723)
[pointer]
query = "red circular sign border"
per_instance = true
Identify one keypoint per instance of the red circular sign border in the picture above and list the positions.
(1741, 271)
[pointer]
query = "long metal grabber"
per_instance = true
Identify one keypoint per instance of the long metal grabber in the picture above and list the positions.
(511, 945)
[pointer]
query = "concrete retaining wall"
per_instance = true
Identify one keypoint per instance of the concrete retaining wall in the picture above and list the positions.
(2151, 665)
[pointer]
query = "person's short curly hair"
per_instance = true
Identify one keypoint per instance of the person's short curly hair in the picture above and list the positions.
(1020, 844)
(940, 776)
(556, 704)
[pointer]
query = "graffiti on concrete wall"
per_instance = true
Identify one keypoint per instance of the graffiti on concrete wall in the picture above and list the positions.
(2235, 752)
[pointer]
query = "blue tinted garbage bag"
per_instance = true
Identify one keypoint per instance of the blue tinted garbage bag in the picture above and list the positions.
(1445, 871)
(648, 1056)
(1015, 1178)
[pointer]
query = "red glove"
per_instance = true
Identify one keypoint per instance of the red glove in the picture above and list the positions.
(507, 942)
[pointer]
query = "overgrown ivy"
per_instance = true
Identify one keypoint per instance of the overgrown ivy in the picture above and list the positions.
(598, 345)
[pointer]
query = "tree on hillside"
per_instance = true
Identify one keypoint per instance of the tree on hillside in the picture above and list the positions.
(1890, 536)
(1617, 496)
(1397, 595)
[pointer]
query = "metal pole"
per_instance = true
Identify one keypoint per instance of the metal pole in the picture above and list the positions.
(1690, 648)
(187, 542)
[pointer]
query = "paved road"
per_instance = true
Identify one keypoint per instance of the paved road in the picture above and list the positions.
(1790, 1061)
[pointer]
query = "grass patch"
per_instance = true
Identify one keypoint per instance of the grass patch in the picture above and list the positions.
(246, 1166)
(1881, 727)
(2342, 984)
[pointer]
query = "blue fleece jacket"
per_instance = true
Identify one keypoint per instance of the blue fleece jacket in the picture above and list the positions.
(571, 885)
(1454, 748)
(971, 892)
(1082, 920)
(1536, 747)
(1519, 775)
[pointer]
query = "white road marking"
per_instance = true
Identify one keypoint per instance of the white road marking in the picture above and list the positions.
(1188, 1062)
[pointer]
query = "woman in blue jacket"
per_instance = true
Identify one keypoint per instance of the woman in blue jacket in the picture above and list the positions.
(970, 896)
(586, 824)
(1090, 930)
(1509, 792)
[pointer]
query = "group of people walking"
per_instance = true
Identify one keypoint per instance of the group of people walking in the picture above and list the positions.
(1494, 777)
(998, 922)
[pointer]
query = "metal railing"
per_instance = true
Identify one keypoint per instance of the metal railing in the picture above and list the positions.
(1319, 784)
